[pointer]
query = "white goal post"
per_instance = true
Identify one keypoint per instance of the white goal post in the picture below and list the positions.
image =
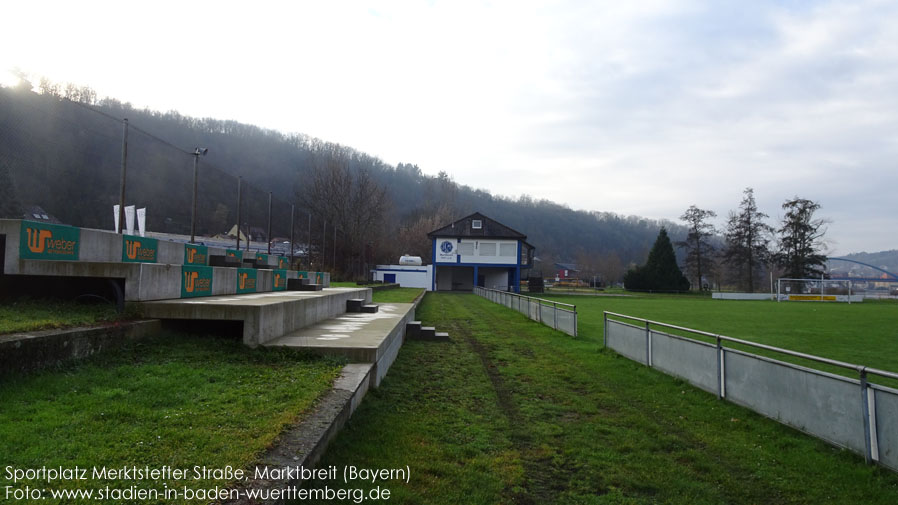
(814, 290)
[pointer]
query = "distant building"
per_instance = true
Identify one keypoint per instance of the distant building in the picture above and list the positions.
(477, 250)
(566, 271)
(36, 213)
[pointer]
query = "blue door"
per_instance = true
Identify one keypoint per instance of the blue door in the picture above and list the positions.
(390, 278)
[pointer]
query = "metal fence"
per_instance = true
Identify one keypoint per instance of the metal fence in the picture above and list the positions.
(850, 413)
(560, 316)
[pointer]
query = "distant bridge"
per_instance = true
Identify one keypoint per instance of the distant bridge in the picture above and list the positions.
(890, 275)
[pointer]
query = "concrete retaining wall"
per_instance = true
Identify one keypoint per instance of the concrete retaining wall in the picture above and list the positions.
(32, 350)
(834, 408)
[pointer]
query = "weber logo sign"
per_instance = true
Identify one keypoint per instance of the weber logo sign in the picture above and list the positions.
(196, 281)
(44, 241)
(137, 249)
(246, 280)
(195, 254)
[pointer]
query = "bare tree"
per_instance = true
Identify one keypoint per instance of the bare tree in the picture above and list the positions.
(349, 199)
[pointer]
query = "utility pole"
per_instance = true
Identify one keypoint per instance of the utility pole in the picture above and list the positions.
(269, 222)
(239, 181)
(121, 207)
(292, 233)
(196, 160)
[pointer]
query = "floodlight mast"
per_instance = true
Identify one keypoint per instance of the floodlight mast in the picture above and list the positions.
(199, 151)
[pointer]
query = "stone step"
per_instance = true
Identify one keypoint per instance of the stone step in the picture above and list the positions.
(441, 336)
(369, 309)
(309, 287)
(296, 284)
(428, 332)
(354, 304)
(224, 261)
(413, 329)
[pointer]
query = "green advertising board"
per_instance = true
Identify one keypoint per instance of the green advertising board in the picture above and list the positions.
(196, 254)
(261, 258)
(302, 274)
(283, 262)
(45, 241)
(196, 281)
(139, 249)
(233, 253)
(246, 280)
(279, 280)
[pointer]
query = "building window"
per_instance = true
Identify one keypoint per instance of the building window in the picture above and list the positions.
(508, 250)
(466, 249)
(476, 224)
(487, 248)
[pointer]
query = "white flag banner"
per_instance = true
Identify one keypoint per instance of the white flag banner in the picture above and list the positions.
(142, 221)
(129, 219)
(116, 211)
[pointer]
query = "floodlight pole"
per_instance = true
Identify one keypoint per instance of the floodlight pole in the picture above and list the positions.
(196, 160)
(292, 232)
(269, 222)
(239, 181)
(121, 207)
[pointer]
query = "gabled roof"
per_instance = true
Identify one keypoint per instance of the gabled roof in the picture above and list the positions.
(489, 228)
(568, 266)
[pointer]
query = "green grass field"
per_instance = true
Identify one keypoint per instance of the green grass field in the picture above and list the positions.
(30, 315)
(862, 333)
(511, 411)
(174, 400)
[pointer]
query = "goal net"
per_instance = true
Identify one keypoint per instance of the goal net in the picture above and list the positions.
(815, 290)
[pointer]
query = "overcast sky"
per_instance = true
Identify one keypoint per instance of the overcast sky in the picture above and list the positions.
(638, 108)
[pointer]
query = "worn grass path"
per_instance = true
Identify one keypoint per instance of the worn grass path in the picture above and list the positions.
(510, 411)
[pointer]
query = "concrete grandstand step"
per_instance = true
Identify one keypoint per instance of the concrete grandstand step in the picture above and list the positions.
(296, 284)
(413, 329)
(369, 309)
(265, 316)
(355, 304)
(309, 287)
(427, 332)
(360, 337)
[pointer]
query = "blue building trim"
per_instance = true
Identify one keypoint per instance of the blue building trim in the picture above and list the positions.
(433, 261)
(398, 270)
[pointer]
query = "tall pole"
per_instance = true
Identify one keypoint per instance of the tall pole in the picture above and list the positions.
(239, 181)
(269, 222)
(121, 206)
(309, 243)
(334, 265)
(292, 232)
(196, 160)
(323, 244)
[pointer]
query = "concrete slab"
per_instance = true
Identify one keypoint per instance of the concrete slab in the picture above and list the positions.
(265, 316)
(361, 337)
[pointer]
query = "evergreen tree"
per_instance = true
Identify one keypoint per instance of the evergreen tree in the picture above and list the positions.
(698, 249)
(800, 240)
(747, 240)
(660, 272)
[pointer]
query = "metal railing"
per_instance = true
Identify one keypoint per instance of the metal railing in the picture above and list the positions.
(847, 412)
(560, 316)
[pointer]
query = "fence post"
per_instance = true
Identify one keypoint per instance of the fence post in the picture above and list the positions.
(604, 329)
(869, 434)
(648, 345)
(575, 321)
(721, 373)
(554, 316)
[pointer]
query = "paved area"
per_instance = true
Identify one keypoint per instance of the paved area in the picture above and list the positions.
(361, 337)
